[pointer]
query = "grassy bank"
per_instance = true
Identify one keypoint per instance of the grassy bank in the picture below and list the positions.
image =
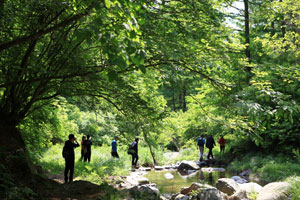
(271, 168)
(102, 163)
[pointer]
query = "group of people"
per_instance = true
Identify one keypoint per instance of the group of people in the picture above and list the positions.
(133, 150)
(86, 143)
(69, 155)
(86, 151)
(209, 142)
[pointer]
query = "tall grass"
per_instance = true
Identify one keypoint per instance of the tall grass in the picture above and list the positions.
(295, 189)
(102, 163)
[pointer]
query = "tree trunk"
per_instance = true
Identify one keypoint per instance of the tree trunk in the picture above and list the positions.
(176, 145)
(150, 147)
(247, 40)
(283, 24)
(13, 151)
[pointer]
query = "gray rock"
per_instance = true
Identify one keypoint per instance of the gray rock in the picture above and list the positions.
(207, 192)
(210, 169)
(181, 197)
(143, 181)
(274, 191)
(251, 187)
(227, 185)
(239, 179)
(245, 173)
(201, 163)
(149, 189)
(188, 165)
(240, 195)
(203, 192)
(145, 168)
(158, 167)
(168, 176)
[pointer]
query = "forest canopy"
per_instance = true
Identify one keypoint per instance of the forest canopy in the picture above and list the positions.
(166, 71)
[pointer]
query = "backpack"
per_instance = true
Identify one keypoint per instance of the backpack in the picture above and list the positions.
(200, 142)
(65, 152)
(130, 149)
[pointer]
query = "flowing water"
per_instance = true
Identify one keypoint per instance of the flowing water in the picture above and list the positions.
(171, 186)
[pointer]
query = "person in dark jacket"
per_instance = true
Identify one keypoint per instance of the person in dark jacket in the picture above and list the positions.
(87, 145)
(210, 143)
(135, 156)
(82, 147)
(70, 157)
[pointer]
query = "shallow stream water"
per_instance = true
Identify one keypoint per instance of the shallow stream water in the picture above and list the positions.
(171, 186)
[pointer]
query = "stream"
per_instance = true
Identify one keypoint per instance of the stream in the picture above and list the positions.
(171, 185)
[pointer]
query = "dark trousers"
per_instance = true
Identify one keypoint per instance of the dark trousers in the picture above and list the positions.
(82, 155)
(87, 156)
(69, 167)
(135, 158)
(115, 154)
(210, 153)
(222, 149)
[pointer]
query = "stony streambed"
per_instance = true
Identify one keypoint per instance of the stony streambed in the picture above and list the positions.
(189, 180)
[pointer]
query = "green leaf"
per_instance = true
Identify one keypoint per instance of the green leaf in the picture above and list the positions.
(143, 68)
(107, 3)
(112, 75)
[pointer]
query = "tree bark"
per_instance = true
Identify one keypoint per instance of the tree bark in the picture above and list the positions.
(14, 155)
(283, 24)
(247, 39)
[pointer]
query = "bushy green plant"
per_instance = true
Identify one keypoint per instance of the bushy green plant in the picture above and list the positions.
(270, 168)
(295, 189)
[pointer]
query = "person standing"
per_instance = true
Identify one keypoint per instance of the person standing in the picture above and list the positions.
(114, 152)
(210, 143)
(134, 154)
(222, 143)
(87, 148)
(200, 144)
(69, 155)
(82, 147)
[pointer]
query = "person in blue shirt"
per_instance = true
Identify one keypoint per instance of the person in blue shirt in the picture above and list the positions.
(200, 143)
(114, 152)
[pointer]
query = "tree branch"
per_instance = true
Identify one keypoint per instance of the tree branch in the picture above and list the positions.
(46, 31)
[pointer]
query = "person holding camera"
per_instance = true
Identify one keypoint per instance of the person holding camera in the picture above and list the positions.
(69, 156)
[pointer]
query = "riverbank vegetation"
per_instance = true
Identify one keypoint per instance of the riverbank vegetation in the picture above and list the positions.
(164, 71)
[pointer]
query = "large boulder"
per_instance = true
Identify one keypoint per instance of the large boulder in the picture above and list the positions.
(251, 187)
(239, 195)
(188, 165)
(203, 192)
(227, 185)
(274, 191)
(150, 191)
